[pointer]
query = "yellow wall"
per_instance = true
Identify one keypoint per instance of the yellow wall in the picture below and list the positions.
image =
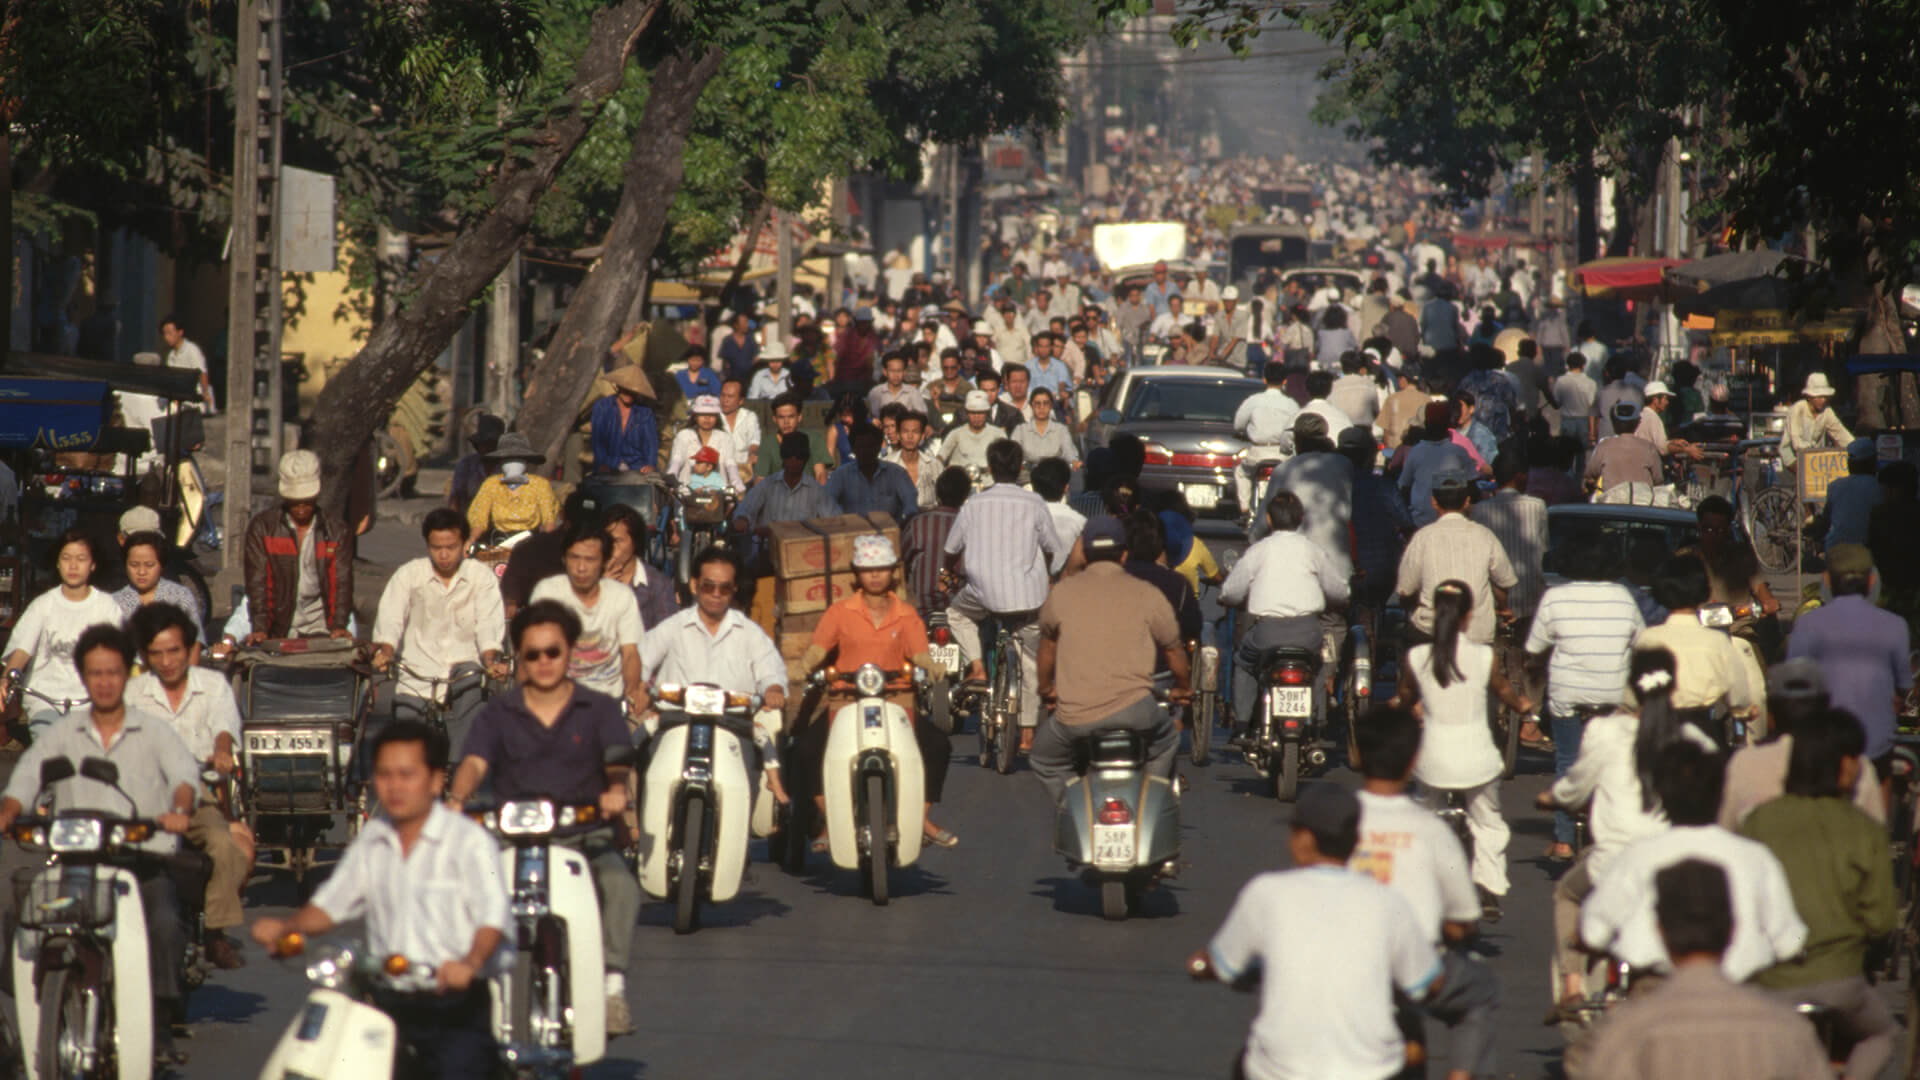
(326, 341)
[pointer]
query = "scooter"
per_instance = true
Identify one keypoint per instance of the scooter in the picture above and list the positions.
(937, 694)
(339, 1033)
(552, 1003)
(1116, 825)
(698, 800)
(873, 779)
(80, 960)
(1285, 739)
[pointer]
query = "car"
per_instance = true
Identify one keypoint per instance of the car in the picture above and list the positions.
(1348, 280)
(1622, 525)
(1185, 415)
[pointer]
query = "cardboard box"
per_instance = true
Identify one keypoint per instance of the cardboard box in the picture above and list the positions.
(800, 596)
(796, 632)
(825, 545)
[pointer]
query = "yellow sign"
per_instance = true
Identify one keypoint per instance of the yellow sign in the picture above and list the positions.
(1818, 469)
(1775, 327)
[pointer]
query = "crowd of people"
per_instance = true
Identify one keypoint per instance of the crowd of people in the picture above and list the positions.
(1733, 784)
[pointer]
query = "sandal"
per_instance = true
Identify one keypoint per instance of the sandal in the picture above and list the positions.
(1554, 854)
(819, 845)
(940, 837)
(1541, 743)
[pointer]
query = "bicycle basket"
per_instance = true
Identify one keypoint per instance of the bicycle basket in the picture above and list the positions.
(64, 896)
(704, 508)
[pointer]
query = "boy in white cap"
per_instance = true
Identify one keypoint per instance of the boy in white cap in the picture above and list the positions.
(299, 561)
(966, 446)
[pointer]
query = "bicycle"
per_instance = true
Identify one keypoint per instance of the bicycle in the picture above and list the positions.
(1000, 713)
(1771, 517)
(1510, 658)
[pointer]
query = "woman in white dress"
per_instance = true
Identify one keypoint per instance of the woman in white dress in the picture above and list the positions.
(1449, 680)
(705, 431)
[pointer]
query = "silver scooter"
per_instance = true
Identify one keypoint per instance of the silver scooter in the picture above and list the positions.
(1117, 825)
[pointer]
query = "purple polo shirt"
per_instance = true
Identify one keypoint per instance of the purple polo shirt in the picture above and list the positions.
(1862, 651)
(565, 762)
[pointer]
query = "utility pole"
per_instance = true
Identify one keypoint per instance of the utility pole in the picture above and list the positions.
(784, 275)
(503, 341)
(837, 265)
(1537, 205)
(254, 303)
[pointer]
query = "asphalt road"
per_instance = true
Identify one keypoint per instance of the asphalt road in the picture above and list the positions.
(991, 959)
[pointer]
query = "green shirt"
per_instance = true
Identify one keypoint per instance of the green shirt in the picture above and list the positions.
(769, 462)
(1842, 880)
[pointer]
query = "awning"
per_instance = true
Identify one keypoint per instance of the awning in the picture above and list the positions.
(1623, 278)
(174, 384)
(1703, 274)
(1781, 327)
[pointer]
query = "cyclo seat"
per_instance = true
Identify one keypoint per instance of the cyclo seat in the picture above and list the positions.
(1116, 748)
(301, 693)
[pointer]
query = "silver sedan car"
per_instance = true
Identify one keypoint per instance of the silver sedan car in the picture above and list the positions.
(1185, 416)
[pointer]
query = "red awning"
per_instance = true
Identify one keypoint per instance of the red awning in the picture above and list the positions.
(1623, 277)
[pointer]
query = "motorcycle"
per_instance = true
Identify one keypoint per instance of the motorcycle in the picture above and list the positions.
(551, 1004)
(873, 779)
(698, 800)
(703, 516)
(1285, 740)
(937, 694)
(1116, 825)
(83, 992)
(339, 1034)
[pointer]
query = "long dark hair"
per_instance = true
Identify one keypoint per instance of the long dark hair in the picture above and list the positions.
(1650, 675)
(1452, 601)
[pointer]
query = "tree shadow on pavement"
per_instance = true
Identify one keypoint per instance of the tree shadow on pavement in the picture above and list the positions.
(1072, 896)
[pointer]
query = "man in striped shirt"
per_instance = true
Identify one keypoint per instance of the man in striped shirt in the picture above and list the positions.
(923, 539)
(1006, 536)
(1589, 624)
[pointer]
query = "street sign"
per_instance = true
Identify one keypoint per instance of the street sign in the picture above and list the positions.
(1890, 447)
(1818, 469)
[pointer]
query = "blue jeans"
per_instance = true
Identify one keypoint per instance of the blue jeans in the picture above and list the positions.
(1567, 730)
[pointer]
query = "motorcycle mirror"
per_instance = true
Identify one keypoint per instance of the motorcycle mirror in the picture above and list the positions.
(1229, 559)
(1108, 416)
(100, 769)
(54, 770)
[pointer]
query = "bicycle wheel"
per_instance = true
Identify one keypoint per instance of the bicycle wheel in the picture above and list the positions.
(1202, 712)
(1773, 524)
(1006, 697)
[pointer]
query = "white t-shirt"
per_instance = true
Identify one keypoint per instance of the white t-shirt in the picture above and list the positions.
(612, 622)
(1331, 945)
(1456, 748)
(1067, 524)
(48, 630)
(1407, 848)
(1618, 917)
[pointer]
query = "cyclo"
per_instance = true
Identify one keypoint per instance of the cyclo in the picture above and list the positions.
(303, 707)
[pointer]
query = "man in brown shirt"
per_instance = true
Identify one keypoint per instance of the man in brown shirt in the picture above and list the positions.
(1698, 1025)
(1101, 632)
(1625, 459)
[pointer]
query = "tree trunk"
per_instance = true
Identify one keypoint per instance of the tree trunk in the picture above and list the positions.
(1586, 192)
(592, 320)
(358, 400)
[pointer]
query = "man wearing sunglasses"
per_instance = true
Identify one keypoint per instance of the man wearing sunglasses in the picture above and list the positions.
(606, 657)
(715, 643)
(549, 737)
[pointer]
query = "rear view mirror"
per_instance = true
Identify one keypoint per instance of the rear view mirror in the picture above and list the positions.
(100, 769)
(1108, 416)
(1229, 560)
(54, 770)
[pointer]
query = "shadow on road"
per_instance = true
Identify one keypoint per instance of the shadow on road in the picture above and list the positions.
(1072, 896)
(743, 910)
(902, 882)
(217, 1004)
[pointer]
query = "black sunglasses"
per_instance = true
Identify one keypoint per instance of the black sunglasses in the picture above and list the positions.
(551, 652)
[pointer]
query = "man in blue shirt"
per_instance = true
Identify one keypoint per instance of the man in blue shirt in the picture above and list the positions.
(1159, 289)
(868, 485)
(624, 434)
(1861, 649)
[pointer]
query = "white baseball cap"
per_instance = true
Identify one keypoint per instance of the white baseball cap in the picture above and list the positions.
(978, 401)
(774, 350)
(1656, 388)
(1231, 292)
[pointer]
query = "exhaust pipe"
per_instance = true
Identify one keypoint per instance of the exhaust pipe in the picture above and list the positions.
(1317, 757)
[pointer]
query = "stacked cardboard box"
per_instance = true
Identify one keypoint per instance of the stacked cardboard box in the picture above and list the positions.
(813, 569)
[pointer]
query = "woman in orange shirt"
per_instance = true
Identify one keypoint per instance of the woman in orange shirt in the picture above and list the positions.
(875, 626)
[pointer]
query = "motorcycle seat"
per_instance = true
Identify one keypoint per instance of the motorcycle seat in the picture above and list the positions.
(1112, 748)
(1273, 657)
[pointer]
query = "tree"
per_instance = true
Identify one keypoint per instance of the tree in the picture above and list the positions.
(806, 92)
(358, 399)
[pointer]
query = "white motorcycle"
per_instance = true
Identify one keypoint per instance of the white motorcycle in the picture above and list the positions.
(550, 1007)
(698, 802)
(82, 988)
(873, 780)
(339, 1034)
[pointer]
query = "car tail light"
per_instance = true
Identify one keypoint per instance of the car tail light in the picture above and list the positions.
(942, 635)
(1204, 461)
(1291, 676)
(1157, 454)
(1115, 812)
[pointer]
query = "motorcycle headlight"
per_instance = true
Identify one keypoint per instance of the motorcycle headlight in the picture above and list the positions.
(869, 681)
(74, 834)
(706, 701)
(330, 967)
(526, 817)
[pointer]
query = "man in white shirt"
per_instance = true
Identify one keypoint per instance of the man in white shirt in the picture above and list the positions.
(1284, 582)
(1050, 479)
(442, 616)
(607, 656)
(200, 704)
(1574, 394)
(1265, 420)
(1319, 386)
(427, 883)
(966, 446)
(1407, 848)
(1170, 322)
(742, 425)
(187, 356)
(1330, 946)
(1618, 918)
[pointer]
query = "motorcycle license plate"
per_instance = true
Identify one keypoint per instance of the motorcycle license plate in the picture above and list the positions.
(1292, 701)
(948, 656)
(1113, 845)
(1201, 496)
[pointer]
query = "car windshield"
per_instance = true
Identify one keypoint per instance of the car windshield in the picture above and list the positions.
(1199, 400)
(1626, 539)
